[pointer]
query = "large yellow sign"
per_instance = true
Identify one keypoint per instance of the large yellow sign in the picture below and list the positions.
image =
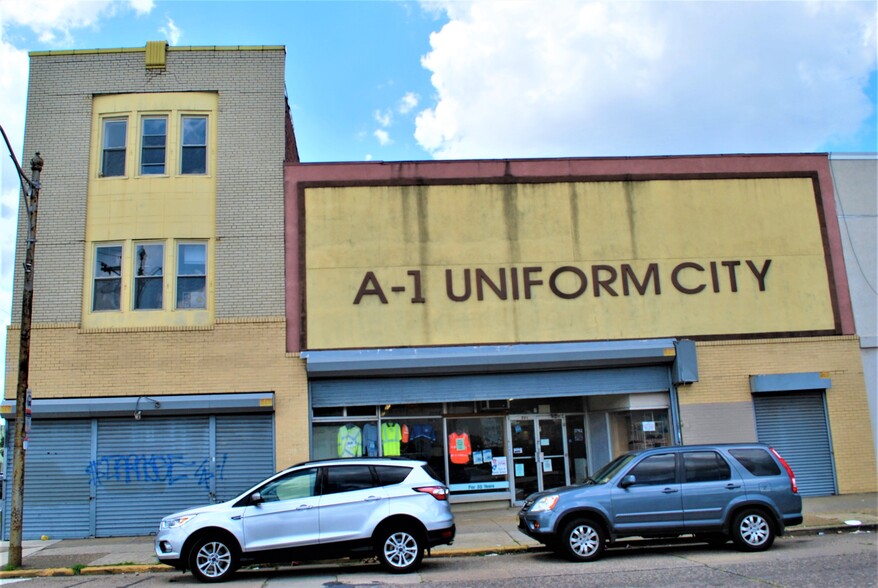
(502, 263)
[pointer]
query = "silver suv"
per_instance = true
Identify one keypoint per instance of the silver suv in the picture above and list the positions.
(392, 508)
(744, 492)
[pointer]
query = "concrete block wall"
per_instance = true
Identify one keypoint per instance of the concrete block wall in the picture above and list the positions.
(719, 407)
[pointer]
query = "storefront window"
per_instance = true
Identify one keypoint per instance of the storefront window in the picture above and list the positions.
(422, 439)
(640, 429)
(477, 455)
(350, 439)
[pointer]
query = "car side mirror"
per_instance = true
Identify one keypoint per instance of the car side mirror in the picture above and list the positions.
(628, 480)
(256, 498)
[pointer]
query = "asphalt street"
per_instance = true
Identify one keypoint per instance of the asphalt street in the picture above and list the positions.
(833, 559)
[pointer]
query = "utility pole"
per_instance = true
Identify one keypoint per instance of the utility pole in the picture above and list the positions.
(31, 195)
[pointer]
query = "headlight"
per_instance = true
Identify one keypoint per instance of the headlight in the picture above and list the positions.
(176, 522)
(545, 503)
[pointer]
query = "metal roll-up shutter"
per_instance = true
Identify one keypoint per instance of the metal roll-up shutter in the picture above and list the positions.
(417, 389)
(56, 480)
(795, 424)
(149, 468)
(244, 453)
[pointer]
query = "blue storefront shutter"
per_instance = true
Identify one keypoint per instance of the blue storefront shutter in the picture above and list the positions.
(56, 483)
(796, 424)
(147, 469)
(244, 453)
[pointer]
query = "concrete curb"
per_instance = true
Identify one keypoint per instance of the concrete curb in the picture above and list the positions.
(460, 552)
(124, 569)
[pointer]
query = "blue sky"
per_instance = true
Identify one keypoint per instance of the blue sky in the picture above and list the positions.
(388, 80)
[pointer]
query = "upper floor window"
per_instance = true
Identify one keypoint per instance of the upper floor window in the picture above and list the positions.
(191, 275)
(107, 277)
(153, 145)
(113, 156)
(149, 261)
(194, 145)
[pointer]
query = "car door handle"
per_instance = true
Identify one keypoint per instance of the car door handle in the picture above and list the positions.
(732, 486)
(304, 507)
(372, 498)
(669, 490)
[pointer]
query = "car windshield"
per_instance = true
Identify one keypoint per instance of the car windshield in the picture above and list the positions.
(603, 475)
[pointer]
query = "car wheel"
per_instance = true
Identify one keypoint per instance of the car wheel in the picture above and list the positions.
(400, 550)
(713, 539)
(582, 540)
(213, 559)
(752, 531)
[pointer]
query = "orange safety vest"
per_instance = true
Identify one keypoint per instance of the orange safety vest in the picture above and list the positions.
(459, 448)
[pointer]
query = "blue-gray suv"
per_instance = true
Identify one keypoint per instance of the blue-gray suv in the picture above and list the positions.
(743, 492)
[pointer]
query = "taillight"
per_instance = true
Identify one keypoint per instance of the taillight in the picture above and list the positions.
(789, 470)
(437, 492)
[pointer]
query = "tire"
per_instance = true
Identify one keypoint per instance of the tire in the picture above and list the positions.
(213, 559)
(400, 550)
(752, 530)
(582, 540)
(713, 539)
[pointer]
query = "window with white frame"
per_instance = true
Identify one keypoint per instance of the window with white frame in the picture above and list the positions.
(193, 158)
(153, 144)
(149, 263)
(107, 277)
(114, 140)
(191, 275)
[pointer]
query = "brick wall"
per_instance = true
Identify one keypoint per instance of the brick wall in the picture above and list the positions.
(233, 356)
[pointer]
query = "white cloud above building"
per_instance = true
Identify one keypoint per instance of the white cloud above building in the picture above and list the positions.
(571, 78)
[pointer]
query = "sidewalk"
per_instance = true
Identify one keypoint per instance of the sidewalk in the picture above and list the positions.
(478, 532)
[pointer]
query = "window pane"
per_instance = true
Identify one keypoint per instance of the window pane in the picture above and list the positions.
(194, 130)
(194, 145)
(191, 275)
(348, 479)
(757, 461)
(107, 278)
(155, 127)
(148, 263)
(113, 156)
(705, 466)
(114, 134)
(194, 160)
(114, 163)
(191, 259)
(297, 485)
(191, 293)
(657, 469)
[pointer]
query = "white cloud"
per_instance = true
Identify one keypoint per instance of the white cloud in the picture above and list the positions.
(383, 137)
(408, 102)
(171, 32)
(384, 118)
(53, 20)
(570, 78)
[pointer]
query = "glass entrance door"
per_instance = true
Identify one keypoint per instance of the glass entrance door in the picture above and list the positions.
(538, 457)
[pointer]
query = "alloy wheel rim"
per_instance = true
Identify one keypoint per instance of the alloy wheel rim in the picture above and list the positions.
(584, 540)
(754, 530)
(213, 559)
(401, 550)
